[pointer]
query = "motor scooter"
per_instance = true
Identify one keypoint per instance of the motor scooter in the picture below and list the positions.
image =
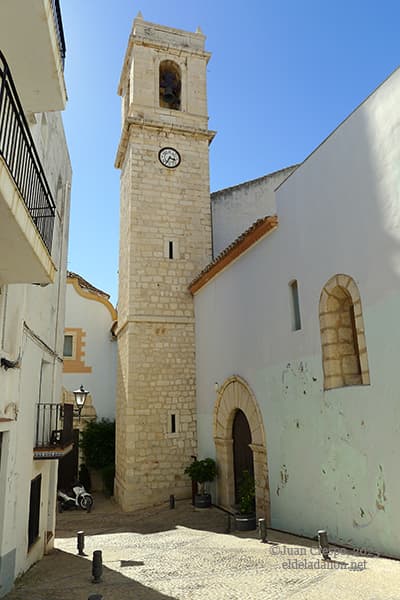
(78, 498)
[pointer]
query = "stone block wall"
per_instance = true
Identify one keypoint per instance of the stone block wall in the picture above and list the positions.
(165, 242)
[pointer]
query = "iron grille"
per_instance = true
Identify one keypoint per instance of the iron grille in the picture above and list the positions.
(18, 151)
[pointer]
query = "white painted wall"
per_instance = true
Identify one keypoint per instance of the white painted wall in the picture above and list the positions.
(31, 329)
(236, 208)
(96, 320)
(338, 213)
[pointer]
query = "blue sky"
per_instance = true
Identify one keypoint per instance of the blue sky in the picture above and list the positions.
(283, 75)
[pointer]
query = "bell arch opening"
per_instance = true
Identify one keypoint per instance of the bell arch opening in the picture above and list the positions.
(170, 85)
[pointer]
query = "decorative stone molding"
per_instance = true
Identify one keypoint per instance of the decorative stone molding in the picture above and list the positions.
(11, 412)
(76, 363)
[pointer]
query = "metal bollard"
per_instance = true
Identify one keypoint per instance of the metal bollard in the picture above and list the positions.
(97, 566)
(172, 501)
(81, 542)
(323, 544)
(262, 530)
(228, 523)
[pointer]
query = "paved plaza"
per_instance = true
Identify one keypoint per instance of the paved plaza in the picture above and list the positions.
(186, 554)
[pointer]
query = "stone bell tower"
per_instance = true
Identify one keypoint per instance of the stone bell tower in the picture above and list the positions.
(165, 240)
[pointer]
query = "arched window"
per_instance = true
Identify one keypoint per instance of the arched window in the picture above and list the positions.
(344, 351)
(170, 85)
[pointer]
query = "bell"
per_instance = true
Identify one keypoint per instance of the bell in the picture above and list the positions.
(169, 95)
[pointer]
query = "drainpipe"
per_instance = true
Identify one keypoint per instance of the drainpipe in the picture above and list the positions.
(67, 188)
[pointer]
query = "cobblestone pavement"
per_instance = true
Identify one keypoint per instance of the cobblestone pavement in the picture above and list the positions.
(185, 554)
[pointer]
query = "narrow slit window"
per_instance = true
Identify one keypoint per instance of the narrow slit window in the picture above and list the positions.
(173, 424)
(294, 292)
(170, 250)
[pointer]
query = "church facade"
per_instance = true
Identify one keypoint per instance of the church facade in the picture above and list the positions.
(297, 328)
(288, 362)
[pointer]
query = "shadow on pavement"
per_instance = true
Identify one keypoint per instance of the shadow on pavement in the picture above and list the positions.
(107, 517)
(63, 576)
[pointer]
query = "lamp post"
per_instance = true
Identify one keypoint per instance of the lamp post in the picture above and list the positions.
(80, 399)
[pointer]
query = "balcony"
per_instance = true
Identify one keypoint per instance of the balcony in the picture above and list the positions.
(32, 38)
(54, 431)
(27, 208)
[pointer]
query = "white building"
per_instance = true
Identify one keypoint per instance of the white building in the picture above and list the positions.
(89, 344)
(297, 339)
(35, 180)
(296, 330)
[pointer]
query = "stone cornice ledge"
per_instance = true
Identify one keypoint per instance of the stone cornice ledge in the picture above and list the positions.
(154, 319)
(160, 126)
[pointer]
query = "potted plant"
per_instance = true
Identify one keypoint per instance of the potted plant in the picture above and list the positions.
(202, 472)
(246, 518)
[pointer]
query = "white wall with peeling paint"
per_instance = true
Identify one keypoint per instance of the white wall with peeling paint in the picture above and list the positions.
(333, 455)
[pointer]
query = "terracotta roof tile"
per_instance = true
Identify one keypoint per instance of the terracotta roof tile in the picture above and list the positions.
(249, 237)
(85, 285)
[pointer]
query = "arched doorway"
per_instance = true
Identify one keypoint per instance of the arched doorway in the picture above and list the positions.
(242, 452)
(235, 395)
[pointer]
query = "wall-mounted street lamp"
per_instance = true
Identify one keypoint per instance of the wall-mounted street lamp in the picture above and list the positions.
(80, 399)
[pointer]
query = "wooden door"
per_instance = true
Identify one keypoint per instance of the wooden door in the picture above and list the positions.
(242, 453)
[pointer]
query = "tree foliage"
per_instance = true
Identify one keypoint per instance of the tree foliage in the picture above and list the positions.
(98, 443)
(202, 470)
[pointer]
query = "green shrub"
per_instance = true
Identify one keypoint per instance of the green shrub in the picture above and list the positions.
(247, 493)
(202, 471)
(98, 443)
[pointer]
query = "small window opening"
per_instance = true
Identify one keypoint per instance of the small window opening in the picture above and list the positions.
(173, 424)
(68, 346)
(170, 85)
(170, 250)
(296, 319)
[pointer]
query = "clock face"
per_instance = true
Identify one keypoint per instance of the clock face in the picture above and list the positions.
(169, 157)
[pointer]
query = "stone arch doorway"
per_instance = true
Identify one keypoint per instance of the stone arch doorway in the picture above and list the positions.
(236, 395)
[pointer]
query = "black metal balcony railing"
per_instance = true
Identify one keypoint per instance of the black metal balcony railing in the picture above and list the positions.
(54, 426)
(55, 4)
(18, 151)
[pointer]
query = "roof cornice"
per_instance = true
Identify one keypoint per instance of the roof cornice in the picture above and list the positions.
(243, 243)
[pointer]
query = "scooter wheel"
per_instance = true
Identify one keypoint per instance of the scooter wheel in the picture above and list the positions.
(60, 507)
(86, 502)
